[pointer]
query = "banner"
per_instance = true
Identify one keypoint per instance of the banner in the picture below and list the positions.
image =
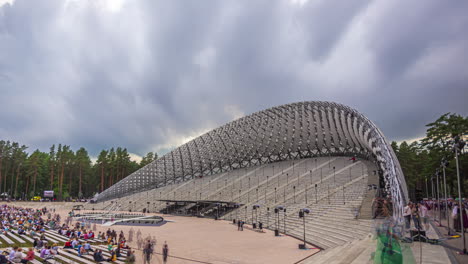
(49, 194)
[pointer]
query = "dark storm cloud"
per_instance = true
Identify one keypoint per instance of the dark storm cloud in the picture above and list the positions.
(149, 75)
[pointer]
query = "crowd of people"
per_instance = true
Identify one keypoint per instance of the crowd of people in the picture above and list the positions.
(418, 213)
(29, 222)
(35, 222)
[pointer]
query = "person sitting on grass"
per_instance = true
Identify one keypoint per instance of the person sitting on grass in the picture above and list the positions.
(68, 244)
(87, 247)
(20, 231)
(48, 253)
(130, 257)
(78, 248)
(17, 256)
(3, 258)
(12, 253)
(109, 246)
(75, 243)
(29, 256)
(98, 256)
(54, 249)
(113, 256)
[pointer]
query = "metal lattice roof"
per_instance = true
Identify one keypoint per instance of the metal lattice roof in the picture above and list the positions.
(291, 131)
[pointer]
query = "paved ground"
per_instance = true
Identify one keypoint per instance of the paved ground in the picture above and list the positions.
(217, 242)
(428, 253)
(453, 245)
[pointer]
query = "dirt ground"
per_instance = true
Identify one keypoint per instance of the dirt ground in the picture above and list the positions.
(198, 240)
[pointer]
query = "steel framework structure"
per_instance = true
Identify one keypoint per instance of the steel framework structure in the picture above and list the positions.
(291, 131)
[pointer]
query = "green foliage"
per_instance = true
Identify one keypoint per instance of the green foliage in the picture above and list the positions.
(420, 160)
(150, 157)
(70, 174)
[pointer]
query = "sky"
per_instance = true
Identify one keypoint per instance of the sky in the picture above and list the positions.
(150, 75)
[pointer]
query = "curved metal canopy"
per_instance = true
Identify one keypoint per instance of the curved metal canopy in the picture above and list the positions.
(291, 131)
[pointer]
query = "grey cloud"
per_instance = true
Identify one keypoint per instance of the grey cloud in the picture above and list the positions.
(156, 70)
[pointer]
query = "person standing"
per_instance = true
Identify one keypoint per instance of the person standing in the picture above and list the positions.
(147, 254)
(456, 218)
(130, 257)
(423, 215)
(165, 252)
(130, 235)
(415, 215)
(138, 234)
(407, 215)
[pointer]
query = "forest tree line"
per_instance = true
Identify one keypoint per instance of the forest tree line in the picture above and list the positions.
(69, 173)
(419, 160)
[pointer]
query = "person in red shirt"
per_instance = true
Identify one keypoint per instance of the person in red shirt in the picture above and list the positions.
(29, 256)
(68, 244)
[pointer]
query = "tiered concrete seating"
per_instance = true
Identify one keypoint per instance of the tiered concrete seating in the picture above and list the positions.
(333, 189)
(7, 239)
(15, 237)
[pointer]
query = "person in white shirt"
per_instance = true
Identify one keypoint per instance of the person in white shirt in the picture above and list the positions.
(75, 243)
(407, 215)
(12, 253)
(423, 215)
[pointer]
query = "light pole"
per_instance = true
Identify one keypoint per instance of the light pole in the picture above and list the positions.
(344, 201)
(277, 210)
(432, 186)
(427, 190)
(302, 213)
(306, 194)
(334, 180)
(248, 192)
(294, 190)
(438, 197)
(298, 174)
(275, 194)
(458, 145)
(444, 164)
(255, 207)
(284, 220)
(268, 217)
(284, 194)
(315, 193)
